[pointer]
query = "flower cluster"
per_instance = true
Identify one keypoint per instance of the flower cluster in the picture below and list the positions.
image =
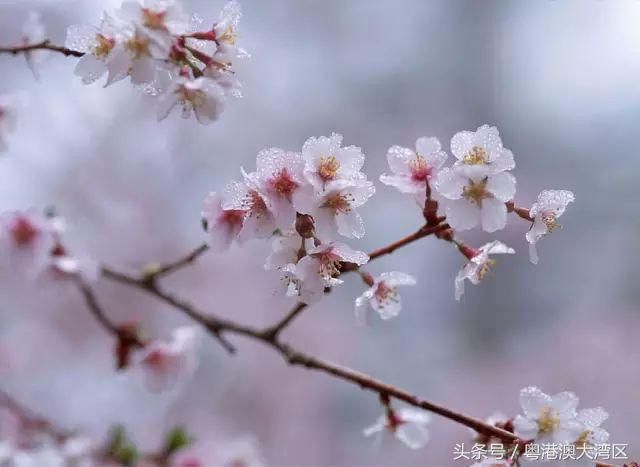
(307, 200)
(32, 243)
(476, 190)
(157, 47)
(550, 421)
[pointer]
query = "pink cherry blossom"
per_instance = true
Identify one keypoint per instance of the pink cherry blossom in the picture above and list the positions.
(321, 266)
(327, 161)
(412, 170)
(166, 363)
(407, 424)
(226, 33)
(203, 97)
(472, 199)
(480, 153)
(259, 220)
(334, 209)
(27, 240)
(383, 295)
(279, 176)
(223, 225)
(545, 212)
(479, 264)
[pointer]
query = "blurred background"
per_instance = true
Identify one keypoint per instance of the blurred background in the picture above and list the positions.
(560, 79)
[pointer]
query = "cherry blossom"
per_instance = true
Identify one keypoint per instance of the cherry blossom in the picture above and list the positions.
(334, 209)
(412, 170)
(548, 419)
(279, 176)
(27, 239)
(478, 198)
(383, 295)
(320, 267)
(202, 96)
(97, 43)
(162, 17)
(137, 56)
(479, 264)
(166, 363)
(259, 220)
(226, 34)
(327, 161)
(480, 153)
(222, 225)
(545, 212)
(9, 107)
(407, 424)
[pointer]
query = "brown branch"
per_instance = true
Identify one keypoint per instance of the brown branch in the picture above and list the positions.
(284, 322)
(31, 420)
(218, 326)
(420, 233)
(44, 45)
(178, 264)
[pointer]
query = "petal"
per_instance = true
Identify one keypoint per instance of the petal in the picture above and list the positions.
(348, 254)
(533, 253)
(525, 428)
(404, 184)
(494, 215)
(565, 403)
(462, 142)
(450, 184)
(503, 162)
(413, 435)
(502, 186)
(397, 278)
(361, 309)
(90, 69)
(593, 417)
(427, 146)
(350, 224)
(462, 214)
(376, 427)
(398, 159)
(459, 285)
(389, 308)
(166, 103)
(351, 160)
(533, 400)
(496, 248)
(569, 431)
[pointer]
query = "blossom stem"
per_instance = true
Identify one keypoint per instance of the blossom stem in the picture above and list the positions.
(44, 45)
(521, 212)
(420, 233)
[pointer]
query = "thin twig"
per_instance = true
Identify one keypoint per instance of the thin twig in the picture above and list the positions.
(288, 318)
(180, 263)
(44, 45)
(31, 420)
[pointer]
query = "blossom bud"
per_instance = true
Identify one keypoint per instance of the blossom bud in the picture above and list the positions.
(305, 225)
